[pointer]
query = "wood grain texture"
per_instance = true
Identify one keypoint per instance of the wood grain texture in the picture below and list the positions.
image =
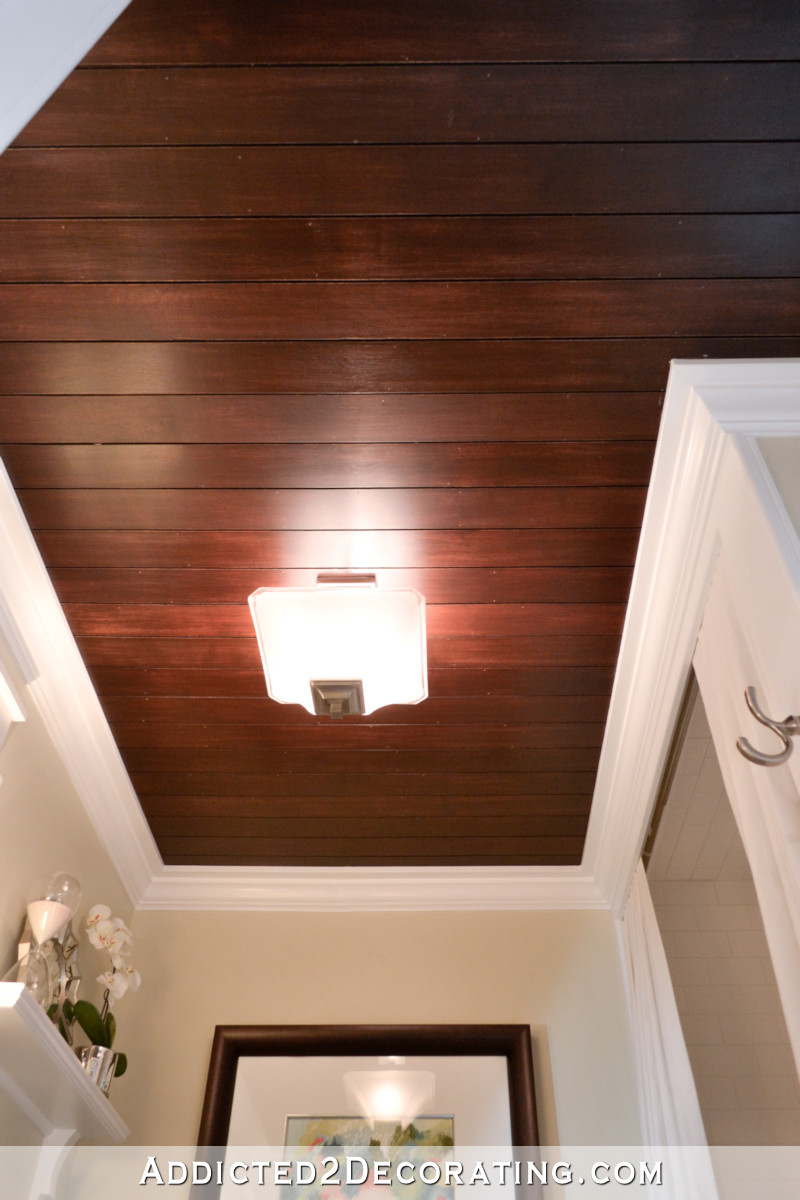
(143, 710)
(352, 858)
(328, 508)
(393, 288)
(439, 103)
(154, 32)
(529, 808)
(436, 366)
(377, 828)
(400, 763)
(331, 784)
(373, 417)
(248, 181)
(441, 620)
(246, 312)
(440, 585)
(469, 651)
(358, 736)
(483, 683)
(344, 850)
(712, 245)
(333, 551)
(476, 858)
(482, 464)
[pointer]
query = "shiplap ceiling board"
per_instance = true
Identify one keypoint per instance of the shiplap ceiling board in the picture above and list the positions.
(294, 288)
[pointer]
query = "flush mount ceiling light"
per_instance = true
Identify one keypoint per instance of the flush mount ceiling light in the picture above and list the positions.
(345, 646)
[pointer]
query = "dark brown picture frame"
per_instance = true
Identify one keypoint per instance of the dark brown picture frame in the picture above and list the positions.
(232, 1042)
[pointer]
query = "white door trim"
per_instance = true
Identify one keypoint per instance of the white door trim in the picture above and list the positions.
(708, 407)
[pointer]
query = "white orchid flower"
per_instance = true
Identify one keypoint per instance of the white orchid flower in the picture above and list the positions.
(115, 983)
(101, 933)
(100, 912)
(120, 953)
(121, 932)
(112, 934)
(133, 977)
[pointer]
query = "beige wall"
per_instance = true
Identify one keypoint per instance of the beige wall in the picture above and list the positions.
(557, 971)
(44, 828)
(782, 455)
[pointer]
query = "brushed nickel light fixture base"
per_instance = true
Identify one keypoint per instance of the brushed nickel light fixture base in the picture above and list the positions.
(337, 698)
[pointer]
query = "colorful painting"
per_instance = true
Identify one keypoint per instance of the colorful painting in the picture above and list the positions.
(316, 1132)
(351, 1150)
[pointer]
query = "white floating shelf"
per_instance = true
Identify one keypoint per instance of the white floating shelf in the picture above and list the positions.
(41, 1075)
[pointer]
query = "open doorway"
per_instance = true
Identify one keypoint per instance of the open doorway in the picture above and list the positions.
(722, 974)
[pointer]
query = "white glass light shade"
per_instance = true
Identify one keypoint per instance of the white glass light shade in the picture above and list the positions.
(391, 1095)
(342, 632)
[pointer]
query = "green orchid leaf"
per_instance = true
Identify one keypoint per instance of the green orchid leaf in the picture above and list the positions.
(122, 1065)
(91, 1022)
(111, 1027)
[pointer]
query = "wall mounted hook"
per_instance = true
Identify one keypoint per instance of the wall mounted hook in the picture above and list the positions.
(786, 730)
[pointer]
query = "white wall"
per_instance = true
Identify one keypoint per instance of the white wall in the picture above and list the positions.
(557, 971)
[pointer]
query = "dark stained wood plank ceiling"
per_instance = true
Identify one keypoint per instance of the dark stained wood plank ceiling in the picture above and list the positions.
(367, 286)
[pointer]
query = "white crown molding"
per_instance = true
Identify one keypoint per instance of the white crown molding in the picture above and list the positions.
(43, 40)
(708, 407)
(371, 889)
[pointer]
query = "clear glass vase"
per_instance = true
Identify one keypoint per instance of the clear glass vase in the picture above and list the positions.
(100, 1064)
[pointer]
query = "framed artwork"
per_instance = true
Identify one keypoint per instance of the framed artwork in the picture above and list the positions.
(507, 1044)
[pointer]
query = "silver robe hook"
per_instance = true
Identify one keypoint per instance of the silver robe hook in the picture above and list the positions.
(785, 730)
